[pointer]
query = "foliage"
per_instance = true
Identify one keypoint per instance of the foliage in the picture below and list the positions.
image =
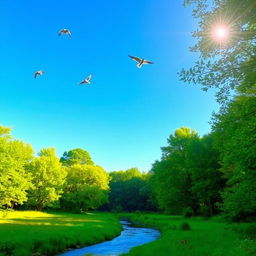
(187, 212)
(130, 190)
(185, 226)
(86, 188)
(14, 179)
(234, 134)
(48, 178)
(188, 175)
(125, 175)
(76, 156)
(226, 65)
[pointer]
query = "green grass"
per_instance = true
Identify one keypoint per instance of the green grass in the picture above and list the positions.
(24, 233)
(205, 238)
(36, 233)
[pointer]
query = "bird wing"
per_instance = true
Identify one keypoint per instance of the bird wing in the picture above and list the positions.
(69, 33)
(36, 74)
(148, 62)
(60, 32)
(135, 58)
(88, 78)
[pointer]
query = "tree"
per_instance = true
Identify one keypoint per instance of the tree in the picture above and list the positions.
(125, 175)
(170, 186)
(230, 66)
(14, 179)
(130, 190)
(172, 180)
(76, 156)
(188, 176)
(234, 131)
(207, 180)
(86, 187)
(224, 65)
(48, 177)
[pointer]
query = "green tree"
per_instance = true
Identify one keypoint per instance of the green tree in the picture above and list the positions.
(172, 180)
(207, 181)
(125, 175)
(225, 65)
(230, 67)
(235, 137)
(15, 155)
(48, 177)
(188, 176)
(76, 156)
(86, 187)
(130, 190)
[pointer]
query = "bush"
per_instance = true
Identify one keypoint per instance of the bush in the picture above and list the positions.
(205, 211)
(7, 249)
(188, 212)
(185, 226)
(246, 230)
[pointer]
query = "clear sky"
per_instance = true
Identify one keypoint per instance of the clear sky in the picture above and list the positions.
(127, 113)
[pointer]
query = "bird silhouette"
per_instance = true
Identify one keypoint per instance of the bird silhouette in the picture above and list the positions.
(140, 61)
(87, 80)
(38, 73)
(65, 31)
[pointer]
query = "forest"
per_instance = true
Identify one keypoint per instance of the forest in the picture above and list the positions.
(198, 175)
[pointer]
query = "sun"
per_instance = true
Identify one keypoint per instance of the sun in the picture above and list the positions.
(220, 33)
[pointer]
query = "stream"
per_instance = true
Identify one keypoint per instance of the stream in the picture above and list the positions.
(129, 238)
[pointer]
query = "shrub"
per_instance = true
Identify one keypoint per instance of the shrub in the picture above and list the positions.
(246, 230)
(187, 212)
(7, 249)
(185, 226)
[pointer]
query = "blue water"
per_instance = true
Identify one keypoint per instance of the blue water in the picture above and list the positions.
(129, 238)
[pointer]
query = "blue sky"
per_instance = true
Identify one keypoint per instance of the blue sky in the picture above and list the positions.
(127, 113)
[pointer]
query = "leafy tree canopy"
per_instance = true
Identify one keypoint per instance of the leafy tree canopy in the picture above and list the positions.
(14, 179)
(86, 187)
(48, 177)
(76, 156)
(224, 65)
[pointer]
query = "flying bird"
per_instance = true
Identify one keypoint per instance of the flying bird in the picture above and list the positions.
(140, 61)
(65, 31)
(87, 80)
(38, 73)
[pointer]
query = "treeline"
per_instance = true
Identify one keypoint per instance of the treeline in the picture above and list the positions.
(196, 175)
(71, 183)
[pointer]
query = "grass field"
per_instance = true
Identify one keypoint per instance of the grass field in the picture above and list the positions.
(25, 233)
(205, 238)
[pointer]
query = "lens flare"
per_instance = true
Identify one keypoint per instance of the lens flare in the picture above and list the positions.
(220, 33)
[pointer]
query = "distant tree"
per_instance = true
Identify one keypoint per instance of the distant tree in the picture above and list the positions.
(125, 175)
(15, 155)
(48, 177)
(130, 190)
(76, 156)
(86, 188)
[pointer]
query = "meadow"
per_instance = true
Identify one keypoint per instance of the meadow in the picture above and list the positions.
(38, 233)
(195, 236)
